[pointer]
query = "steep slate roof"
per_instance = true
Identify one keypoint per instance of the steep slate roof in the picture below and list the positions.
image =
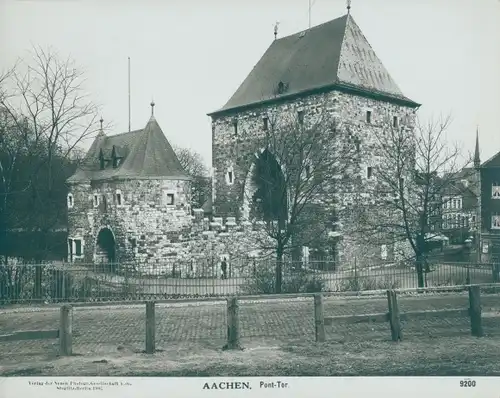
(328, 56)
(145, 154)
(494, 161)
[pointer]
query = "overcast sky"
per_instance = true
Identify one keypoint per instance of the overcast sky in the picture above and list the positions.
(191, 55)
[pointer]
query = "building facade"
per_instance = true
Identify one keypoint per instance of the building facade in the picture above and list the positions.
(329, 69)
(490, 209)
(130, 195)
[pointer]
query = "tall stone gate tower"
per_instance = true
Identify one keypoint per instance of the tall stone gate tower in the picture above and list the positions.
(331, 66)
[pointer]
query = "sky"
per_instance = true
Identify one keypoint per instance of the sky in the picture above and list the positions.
(190, 56)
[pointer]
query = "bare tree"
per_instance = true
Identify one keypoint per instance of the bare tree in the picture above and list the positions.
(290, 189)
(194, 165)
(46, 115)
(416, 174)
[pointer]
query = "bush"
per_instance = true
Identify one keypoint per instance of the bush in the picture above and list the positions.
(263, 282)
(357, 284)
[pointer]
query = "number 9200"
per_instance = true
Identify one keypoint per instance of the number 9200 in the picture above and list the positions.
(467, 383)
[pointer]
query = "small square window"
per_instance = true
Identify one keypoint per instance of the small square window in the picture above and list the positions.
(495, 191)
(266, 124)
(369, 172)
(368, 116)
(170, 199)
(300, 116)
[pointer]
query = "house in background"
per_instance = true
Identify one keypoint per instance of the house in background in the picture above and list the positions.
(460, 202)
(490, 209)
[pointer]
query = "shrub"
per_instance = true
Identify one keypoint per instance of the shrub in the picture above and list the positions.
(263, 282)
(357, 284)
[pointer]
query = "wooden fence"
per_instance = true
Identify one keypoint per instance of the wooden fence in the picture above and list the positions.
(392, 316)
(64, 333)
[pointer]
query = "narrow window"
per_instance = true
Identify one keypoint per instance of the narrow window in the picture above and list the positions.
(266, 125)
(308, 171)
(104, 203)
(230, 176)
(118, 197)
(101, 160)
(96, 200)
(78, 247)
(300, 116)
(401, 183)
(70, 201)
(235, 126)
(395, 122)
(170, 199)
(357, 142)
(369, 172)
(133, 241)
(70, 247)
(368, 116)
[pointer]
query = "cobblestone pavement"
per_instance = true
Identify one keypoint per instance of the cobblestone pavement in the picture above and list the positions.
(111, 328)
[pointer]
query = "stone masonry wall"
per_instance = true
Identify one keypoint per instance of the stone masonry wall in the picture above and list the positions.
(141, 224)
(236, 151)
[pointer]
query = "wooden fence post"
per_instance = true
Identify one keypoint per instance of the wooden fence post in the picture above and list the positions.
(475, 311)
(394, 319)
(233, 325)
(319, 318)
(66, 330)
(150, 327)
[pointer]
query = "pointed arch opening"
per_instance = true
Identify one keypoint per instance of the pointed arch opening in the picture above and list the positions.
(266, 190)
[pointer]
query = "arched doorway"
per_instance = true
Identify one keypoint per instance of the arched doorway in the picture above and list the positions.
(268, 199)
(105, 246)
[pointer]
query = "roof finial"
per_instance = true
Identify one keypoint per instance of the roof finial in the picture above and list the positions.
(348, 7)
(152, 108)
(276, 29)
(100, 121)
(477, 160)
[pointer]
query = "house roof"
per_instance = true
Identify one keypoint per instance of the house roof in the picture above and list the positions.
(144, 154)
(494, 161)
(331, 55)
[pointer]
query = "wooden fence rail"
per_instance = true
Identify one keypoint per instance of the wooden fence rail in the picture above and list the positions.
(394, 317)
(64, 333)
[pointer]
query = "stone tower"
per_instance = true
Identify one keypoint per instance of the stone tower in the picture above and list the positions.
(330, 66)
(129, 198)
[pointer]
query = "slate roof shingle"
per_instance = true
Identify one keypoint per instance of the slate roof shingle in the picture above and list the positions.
(335, 53)
(146, 154)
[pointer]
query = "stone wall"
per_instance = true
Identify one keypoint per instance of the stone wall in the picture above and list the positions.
(234, 150)
(137, 212)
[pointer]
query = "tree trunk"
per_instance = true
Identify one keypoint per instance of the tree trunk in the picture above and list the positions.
(279, 269)
(420, 271)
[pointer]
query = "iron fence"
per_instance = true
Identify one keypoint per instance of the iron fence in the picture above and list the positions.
(69, 282)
